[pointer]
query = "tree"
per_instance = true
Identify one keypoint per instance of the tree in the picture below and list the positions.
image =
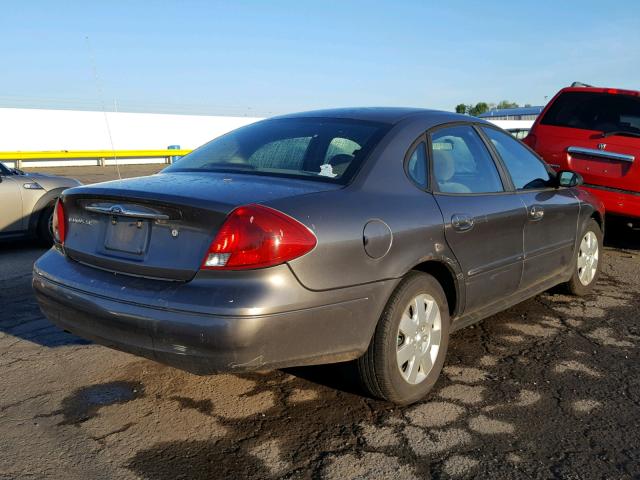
(479, 109)
(461, 108)
(507, 104)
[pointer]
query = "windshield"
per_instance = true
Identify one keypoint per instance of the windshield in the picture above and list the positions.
(4, 170)
(314, 148)
(595, 111)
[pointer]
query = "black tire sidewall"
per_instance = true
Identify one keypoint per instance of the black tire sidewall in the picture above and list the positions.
(400, 391)
(45, 236)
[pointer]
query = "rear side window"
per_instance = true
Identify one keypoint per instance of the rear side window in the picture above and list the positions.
(417, 165)
(595, 111)
(526, 170)
(462, 163)
(327, 149)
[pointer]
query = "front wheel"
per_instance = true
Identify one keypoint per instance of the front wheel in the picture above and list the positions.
(587, 260)
(407, 352)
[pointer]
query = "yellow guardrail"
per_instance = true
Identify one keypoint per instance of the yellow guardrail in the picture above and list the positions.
(99, 155)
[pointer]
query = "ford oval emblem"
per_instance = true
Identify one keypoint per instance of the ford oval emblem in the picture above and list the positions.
(116, 209)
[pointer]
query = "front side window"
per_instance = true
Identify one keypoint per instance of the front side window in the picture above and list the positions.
(462, 163)
(325, 149)
(417, 165)
(526, 170)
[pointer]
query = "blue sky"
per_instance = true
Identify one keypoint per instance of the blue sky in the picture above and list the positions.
(270, 57)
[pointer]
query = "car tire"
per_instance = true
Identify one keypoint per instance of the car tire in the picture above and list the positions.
(383, 371)
(587, 261)
(45, 234)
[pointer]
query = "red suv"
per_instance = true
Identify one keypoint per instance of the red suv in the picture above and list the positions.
(595, 132)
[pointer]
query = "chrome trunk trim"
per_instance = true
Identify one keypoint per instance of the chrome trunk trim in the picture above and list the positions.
(601, 154)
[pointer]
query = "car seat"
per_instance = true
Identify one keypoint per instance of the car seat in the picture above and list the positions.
(444, 167)
(340, 162)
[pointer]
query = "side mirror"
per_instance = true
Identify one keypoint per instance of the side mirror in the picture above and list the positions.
(567, 178)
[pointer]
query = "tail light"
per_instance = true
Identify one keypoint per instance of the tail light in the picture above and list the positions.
(255, 236)
(530, 140)
(59, 225)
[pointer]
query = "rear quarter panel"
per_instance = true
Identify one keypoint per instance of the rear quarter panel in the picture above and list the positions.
(381, 192)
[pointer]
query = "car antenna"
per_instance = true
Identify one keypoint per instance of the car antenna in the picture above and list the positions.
(101, 98)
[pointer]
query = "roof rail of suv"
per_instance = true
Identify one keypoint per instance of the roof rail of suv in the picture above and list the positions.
(580, 84)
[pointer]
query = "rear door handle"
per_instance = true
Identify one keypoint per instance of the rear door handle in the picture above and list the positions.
(462, 222)
(536, 212)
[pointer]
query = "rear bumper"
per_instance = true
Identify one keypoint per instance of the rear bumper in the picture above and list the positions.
(617, 202)
(202, 342)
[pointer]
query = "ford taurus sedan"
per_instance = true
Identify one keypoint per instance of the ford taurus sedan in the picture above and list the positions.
(357, 234)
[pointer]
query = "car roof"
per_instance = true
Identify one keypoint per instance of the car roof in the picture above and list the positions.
(389, 115)
(612, 91)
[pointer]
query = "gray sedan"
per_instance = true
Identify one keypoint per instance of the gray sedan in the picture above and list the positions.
(364, 235)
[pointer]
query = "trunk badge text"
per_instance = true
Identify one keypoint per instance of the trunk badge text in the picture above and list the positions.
(81, 221)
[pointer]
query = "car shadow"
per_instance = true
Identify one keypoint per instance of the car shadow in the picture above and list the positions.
(337, 376)
(620, 235)
(20, 315)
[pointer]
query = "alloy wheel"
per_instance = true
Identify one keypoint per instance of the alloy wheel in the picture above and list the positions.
(588, 258)
(419, 338)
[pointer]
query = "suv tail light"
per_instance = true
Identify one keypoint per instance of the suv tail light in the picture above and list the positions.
(59, 225)
(255, 236)
(530, 140)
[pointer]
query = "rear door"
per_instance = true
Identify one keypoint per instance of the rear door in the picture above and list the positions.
(594, 133)
(11, 217)
(552, 213)
(484, 218)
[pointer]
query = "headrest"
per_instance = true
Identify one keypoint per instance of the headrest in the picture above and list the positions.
(340, 159)
(443, 165)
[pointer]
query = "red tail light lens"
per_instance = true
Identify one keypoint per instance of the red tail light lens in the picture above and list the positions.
(530, 140)
(255, 236)
(59, 226)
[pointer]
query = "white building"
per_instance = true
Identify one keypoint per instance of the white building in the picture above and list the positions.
(55, 130)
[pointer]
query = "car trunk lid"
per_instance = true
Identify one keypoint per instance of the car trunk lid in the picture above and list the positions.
(161, 226)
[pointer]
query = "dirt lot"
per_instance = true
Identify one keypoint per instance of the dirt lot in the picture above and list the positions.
(547, 389)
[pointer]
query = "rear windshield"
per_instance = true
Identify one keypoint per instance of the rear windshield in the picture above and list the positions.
(313, 148)
(595, 111)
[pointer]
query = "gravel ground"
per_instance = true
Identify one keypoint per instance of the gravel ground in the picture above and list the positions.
(548, 389)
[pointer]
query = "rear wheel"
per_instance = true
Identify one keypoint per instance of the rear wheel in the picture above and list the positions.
(587, 260)
(407, 352)
(45, 226)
